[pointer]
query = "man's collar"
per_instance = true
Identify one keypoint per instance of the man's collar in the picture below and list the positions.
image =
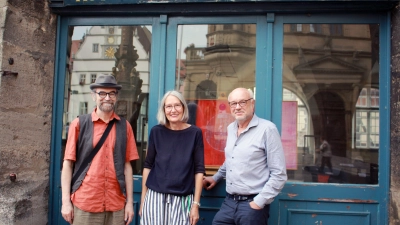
(253, 122)
(95, 117)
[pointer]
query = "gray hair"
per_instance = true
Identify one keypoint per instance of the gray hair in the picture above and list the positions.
(162, 118)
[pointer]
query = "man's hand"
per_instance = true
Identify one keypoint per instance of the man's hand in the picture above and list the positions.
(253, 205)
(208, 183)
(128, 213)
(67, 212)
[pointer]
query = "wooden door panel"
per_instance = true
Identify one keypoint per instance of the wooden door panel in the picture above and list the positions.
(327, 213)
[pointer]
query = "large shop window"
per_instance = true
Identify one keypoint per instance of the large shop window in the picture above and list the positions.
(123, 51)
(330, 108)
(212, 60)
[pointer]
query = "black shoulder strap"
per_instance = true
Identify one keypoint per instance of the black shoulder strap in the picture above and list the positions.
(93, 152)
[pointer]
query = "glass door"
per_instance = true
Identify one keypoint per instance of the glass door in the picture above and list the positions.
(91, 47)
(331, 117)
(206, 59)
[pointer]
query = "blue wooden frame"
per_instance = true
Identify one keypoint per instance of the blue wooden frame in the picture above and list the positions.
(374, 194)
(58, 92)
(269, 84)
(130, 2)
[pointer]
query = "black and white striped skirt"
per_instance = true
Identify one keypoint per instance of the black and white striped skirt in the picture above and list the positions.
(165, 209)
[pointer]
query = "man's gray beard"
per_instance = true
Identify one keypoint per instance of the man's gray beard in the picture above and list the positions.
(107, 109)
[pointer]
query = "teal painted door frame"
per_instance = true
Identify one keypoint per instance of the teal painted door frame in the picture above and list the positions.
(369, 202)
(364, 199)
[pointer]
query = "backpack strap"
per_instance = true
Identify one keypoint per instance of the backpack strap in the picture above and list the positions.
(90, 157)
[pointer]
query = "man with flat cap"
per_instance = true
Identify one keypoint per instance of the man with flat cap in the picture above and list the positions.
(96, 178)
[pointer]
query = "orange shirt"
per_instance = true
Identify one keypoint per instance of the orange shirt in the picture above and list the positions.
(100, 190)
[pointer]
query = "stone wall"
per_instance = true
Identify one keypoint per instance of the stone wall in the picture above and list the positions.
(394, 216)
(28, 32)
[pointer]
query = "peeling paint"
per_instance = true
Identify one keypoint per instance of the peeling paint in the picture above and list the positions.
(290, 195)
(347, 200)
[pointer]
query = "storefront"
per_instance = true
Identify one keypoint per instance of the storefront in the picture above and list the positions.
(317, 68)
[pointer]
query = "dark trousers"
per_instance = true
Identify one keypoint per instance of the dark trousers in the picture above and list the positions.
(240, 213)
(325, 161)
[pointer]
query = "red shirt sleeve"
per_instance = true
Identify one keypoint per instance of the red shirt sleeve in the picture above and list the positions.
(131, 150)
(73, 134)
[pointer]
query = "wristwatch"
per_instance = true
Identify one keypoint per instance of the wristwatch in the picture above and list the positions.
(197, 203)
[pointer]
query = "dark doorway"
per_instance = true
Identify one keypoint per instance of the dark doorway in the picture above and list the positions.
(328, 115)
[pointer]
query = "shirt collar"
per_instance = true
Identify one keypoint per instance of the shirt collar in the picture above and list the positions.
(95, 117)
(253, 123)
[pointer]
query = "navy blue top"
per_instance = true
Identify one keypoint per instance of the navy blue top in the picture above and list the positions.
(174, 157)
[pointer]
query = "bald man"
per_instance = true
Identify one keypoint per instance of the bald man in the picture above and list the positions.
(254, 167)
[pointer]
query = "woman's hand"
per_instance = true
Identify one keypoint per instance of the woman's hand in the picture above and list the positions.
(194, 214)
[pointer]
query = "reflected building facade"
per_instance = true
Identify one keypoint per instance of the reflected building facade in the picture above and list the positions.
(329, 71)
(123, 51)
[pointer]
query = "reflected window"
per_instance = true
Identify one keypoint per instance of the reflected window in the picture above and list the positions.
(336, 29)
(82, 79)
(296, 27)
(211, 63)
(83, 108)
(316, 28)
(211, 40)
(367, 119)
(322, 102)
(228, 26)
(93, 78)
(95, 48)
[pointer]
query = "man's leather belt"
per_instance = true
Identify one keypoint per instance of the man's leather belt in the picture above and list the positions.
(240, 197)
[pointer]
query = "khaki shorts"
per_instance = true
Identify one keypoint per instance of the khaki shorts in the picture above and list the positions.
(103, 218)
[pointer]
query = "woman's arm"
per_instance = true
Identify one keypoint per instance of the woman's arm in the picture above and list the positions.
(194, 212)
(145, 174)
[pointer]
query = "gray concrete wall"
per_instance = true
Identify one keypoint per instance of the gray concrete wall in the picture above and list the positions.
(28, 32)
(394, 215)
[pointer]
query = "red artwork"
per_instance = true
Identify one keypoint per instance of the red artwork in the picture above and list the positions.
(213, 117)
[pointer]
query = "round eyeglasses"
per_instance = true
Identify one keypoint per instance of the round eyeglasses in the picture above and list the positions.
(169, 108)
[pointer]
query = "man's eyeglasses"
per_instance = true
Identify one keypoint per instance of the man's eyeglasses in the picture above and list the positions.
(177, 107)
(103, 94)
(241, 103)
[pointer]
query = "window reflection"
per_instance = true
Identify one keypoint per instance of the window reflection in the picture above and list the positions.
(212, 60)
(330, 81)
(367, 119)
(123, 51)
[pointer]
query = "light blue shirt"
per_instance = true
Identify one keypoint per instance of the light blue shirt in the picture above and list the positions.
(254, 161)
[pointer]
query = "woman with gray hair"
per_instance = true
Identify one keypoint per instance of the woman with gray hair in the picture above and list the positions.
(174, 166)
